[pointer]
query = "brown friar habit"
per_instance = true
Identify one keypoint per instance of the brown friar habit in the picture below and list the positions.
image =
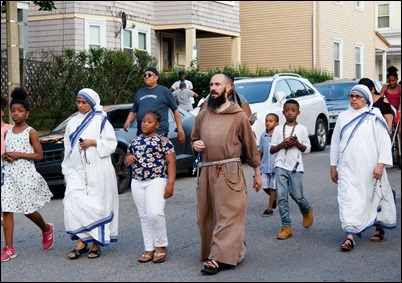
(222, 192)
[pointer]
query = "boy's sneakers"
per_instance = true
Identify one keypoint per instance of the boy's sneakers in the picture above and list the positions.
(8, 253)
(47, 240)
(267, 213)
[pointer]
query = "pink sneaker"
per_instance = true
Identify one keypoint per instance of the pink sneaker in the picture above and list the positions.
(47, 240)
(8, 253)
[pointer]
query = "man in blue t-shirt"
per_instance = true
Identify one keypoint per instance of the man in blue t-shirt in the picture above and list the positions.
(155, 97)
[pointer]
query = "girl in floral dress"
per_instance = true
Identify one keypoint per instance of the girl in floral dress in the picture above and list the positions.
(24, 189)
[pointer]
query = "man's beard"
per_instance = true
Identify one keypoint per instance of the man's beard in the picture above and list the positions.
(214, 103)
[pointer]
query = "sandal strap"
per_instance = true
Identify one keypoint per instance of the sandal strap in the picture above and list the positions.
(147, 256)
(350, 242)
(211, 263)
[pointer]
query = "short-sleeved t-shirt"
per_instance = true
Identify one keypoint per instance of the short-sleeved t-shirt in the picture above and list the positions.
(189, 85)
(176, 85)
(159, 98)
(183, 97)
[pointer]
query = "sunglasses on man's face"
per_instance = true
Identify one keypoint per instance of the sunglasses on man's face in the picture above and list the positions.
(148, 75)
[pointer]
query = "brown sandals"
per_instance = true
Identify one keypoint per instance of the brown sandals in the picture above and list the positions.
(348, 245)
(378, 235)
(146, 257)
(159, 257)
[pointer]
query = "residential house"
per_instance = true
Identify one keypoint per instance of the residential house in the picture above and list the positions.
(388, 24)
(350, 39)
(168, 30)
(341, 37)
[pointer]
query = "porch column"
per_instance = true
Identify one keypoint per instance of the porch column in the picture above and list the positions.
(13, 51)
(191, 47)
(236, 49)
(384, 67)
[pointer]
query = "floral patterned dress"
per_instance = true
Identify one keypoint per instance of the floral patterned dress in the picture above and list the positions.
(24, 189)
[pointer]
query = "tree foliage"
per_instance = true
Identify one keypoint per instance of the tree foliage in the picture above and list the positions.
(45, 5)
(54, 81)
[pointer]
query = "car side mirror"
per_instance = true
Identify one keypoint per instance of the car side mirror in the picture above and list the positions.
(279, 96)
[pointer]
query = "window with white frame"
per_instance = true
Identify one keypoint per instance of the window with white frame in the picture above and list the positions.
(143, 39)
(128, 40)
(136, 38)
(383, 15)
(95, 34)
(358, 61)
(337, 59)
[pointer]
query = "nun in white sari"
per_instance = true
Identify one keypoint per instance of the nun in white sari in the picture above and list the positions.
(360, 151)
(91, 203)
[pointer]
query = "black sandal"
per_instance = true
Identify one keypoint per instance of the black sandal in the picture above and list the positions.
(378, 235)
(348, 245)
(78, 253)
(94, 253)
(211, 267)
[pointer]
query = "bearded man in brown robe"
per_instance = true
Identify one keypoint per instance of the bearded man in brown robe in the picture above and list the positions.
(221, 132)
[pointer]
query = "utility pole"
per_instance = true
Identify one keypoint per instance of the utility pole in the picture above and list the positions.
(13, 49)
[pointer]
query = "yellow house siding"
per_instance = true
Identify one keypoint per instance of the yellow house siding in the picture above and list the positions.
(268, 40)
(214, 53)
(343, 22)
(289, 34)
(276, 34)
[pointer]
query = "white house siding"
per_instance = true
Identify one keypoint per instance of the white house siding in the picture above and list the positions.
(210, 14)
(64, 27)
(140, 11)
(393, 36)
(343, 22)
(56, 34)
(77, 12)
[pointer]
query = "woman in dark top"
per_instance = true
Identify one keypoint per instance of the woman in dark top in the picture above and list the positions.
(380, 102)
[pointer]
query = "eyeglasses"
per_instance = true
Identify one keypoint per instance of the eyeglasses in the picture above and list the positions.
(357, 97)
(148, 75)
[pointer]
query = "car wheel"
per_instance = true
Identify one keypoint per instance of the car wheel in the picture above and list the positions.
(320, 139)
(123, 173)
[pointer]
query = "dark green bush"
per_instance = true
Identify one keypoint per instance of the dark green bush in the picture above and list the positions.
(54, 81)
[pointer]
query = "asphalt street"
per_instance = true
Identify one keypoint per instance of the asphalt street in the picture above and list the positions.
(311, 255)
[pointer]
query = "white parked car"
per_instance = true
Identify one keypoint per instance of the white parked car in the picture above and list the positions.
(268, 94)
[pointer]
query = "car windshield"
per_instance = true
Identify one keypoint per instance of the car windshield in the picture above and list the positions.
(335, 91)
(254, 92)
